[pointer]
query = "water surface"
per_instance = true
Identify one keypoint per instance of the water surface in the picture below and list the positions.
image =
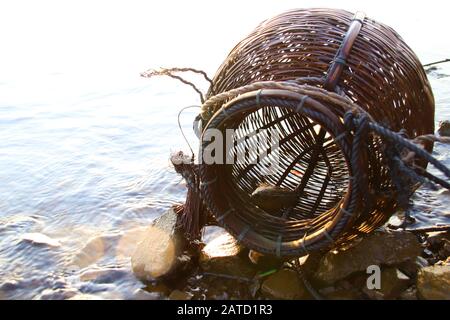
(84, 161)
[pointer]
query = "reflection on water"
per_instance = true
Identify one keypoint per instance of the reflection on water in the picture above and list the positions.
(83, 170)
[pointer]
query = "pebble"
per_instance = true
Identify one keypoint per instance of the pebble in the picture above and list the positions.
(444, 128)
(412, 267)
(433, 283)
(264, 262)
(57, 294)
(393, 283)
(284, 284)
(95, 249)
(180, 295)
(371, 250)
(40, 239)
(156, 255)
(221, 245)
(104, 275)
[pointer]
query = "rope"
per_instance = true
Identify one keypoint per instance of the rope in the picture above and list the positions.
(181, 129)
(404, 176)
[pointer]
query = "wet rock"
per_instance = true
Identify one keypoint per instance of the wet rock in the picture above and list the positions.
(393, 282)
(180, 295)
(95, 249)
(220, 244)
(96, 288)
(104, 275)
(409, 294)
(444, 251)
(379, 248)
(221, 256)
(129, 241)
(232, 266)
(437, 239)
(264, 262)
(57, 294)
(444, 128)
(412, 267)
(218, 286)
(341, 294)
(40, 239)
(158, 288)
(156, 255)
(433, 283)
(141, 294)
(310, 263)
(284, 284)
(11, 285)
(372, 294)
(84, 296)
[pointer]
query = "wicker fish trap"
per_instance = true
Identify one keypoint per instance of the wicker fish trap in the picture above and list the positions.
(303, 74)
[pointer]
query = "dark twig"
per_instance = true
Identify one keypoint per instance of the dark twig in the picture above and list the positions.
(430, 229)
(437, 62)
(170, 73)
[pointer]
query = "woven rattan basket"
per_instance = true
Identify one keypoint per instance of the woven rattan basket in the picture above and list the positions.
(299, 73)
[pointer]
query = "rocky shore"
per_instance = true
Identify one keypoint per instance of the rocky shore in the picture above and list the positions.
(386, 264)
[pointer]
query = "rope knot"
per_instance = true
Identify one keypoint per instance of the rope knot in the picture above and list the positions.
(348, 120)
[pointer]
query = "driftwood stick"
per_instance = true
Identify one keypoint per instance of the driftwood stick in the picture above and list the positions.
(430, 229)
(437, 62)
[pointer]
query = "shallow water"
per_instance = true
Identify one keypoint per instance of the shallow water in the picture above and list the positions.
(85, 163)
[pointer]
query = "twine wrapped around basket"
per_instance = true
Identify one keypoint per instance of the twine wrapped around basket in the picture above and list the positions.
(304, 73)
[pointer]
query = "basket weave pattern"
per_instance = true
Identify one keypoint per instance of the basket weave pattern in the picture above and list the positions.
(291, 56)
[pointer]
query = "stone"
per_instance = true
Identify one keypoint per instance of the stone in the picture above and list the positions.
(156, 255)
(393, 283)
(284, 285)
(447, 261)
(141, 294)
(264, 262)
(409, 294)
(180, 295)
(220, 244)
(158, 288)
(85, 296)
(412, 267)
(221, 255)
(94, 250)
(379, 248)
(444, 128)
(231, 266)
(436, 239)
(129, 241)
(433, 283)
(40, 239)
(57, 294)
(444, 251)
(342, 294)
(372, 294)
(104, 275)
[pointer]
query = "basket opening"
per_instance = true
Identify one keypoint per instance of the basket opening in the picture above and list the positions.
(316, 169)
